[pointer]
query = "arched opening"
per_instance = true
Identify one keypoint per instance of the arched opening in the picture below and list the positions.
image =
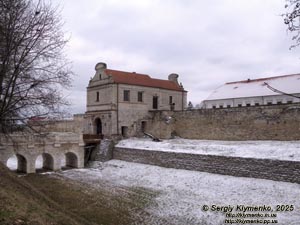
(39, 163)
(17, 163)
(44, 162)
(12, 163)
(71, 160)
(98, 126)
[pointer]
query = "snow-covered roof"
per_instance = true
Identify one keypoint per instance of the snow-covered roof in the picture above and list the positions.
(257, 87)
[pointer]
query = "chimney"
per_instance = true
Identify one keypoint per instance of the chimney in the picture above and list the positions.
(99, 70)
(174, 78)
(100, 66)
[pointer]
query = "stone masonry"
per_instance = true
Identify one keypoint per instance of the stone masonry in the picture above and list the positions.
(53, 148)
(274, 122)
(276, 170)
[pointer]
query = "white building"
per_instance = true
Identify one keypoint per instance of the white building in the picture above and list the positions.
(264, 91)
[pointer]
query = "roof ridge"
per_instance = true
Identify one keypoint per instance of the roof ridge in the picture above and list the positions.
(145, 80)
(133, 73)
(262, 79)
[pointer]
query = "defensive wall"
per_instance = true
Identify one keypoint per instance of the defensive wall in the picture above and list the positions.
(270, 122)
(276, 170)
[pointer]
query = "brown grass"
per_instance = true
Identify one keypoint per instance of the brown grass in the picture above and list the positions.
(47, 199)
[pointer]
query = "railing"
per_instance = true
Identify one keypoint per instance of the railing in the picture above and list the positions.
(92, 137)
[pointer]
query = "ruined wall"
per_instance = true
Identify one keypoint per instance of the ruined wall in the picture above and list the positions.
(275, 122)
(277, 170)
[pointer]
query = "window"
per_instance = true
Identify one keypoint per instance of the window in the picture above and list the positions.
(269, 103)
(228, 106)
(239, 105)
(140, 96)
(221, 106)
(256, 104)
(213, 106)
(289, 102)
(126, 96)
(170, 100)
(248, 104)
(97, 96)
(155, 102)
(279, 102)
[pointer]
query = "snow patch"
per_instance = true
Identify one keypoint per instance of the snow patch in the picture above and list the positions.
(280, 150)
(183, 192)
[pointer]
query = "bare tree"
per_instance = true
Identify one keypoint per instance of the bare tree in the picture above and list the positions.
(33, 68)
(292, 20)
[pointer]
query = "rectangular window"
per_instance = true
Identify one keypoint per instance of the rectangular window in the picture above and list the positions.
(256, 104)
(97, 96)
(140, 96)
(170, 100)
(221, 106)
(269, 103)
(213, 106)
(239, 105)
(155, 102)
(248, 104)
(228, 106)
(289, 102)
(126, 96)
(279, 102)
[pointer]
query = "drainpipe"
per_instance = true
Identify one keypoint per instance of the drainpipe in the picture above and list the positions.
(182, 100)
(117, 109)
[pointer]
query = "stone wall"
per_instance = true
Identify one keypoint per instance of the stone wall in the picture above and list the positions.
(275, 122)
(75, 125)
(234, 166)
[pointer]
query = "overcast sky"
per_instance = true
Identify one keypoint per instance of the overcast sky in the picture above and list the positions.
(208, 43)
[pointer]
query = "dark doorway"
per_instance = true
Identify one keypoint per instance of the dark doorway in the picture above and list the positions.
(143, 126)
(155, 102)
(98, 125)
(124, 131)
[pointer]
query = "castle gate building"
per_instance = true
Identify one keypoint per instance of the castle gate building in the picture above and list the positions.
(119, 102)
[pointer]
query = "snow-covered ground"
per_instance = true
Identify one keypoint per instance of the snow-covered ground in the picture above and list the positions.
(183, 193)
(282, 150)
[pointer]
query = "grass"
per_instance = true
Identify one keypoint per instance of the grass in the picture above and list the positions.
(47, 199)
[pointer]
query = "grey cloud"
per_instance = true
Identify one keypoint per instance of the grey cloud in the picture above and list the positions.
(207, 42)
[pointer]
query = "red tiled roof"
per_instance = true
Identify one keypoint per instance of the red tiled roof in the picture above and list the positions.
(262, 79)
(133, 78)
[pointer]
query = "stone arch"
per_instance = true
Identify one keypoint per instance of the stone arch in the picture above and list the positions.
(98, 126)
(71, 160)
(47, 161)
